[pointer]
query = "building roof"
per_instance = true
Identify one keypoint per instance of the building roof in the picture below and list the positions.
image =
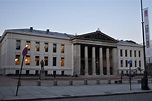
(40, 32)
(128, 43)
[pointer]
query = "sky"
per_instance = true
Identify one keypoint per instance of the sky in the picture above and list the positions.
(120, 19)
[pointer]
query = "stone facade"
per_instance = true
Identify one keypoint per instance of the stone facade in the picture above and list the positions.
(90, 54)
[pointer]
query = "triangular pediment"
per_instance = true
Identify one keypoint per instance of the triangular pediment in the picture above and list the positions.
(97, 35)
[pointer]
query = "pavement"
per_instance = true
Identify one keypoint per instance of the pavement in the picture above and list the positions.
(33, 92)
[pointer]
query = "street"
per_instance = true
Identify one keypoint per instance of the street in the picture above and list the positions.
(128, 97)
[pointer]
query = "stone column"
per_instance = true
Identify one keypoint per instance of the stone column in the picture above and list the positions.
(108, 61)
(86, 60)
(101, 61)
(93, 61)
(115, 60)
(77, 60)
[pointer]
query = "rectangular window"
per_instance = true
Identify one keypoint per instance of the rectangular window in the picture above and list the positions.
(62, 61)
(135, 63)
(121, 53)
(126, 63)
(62, 48)
(121, 63)
(27, 60)
(139, 63)
(54, 48)
(134, 53)
(28, 45)
(54, 61)
(139, 53)
(37, 46)
(45, 61)
(130, 53)
(126, 53)
(18, 44)
(17, 59)
(37, 60)
(46, 47)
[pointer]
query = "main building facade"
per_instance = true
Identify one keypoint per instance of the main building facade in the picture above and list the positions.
(90, 54)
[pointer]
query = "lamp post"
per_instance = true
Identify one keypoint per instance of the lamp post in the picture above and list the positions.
(144, 81)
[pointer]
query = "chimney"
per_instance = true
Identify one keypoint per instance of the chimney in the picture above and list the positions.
(31, 29)
(47, 31)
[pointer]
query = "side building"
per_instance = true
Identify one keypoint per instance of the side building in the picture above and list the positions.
(89, 54)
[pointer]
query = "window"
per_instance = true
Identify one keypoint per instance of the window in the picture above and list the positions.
(135, 63)
(54, 47)
(62, 48)
(139, 63)
(17, 59)
(37, 60)
(121, 54)
(62, 61)
(54, 61)
(126, 53)
(18, 44)
(45, 47)
(45, 61)
(134, 53)
(126, 63)
(139, 53)
(28, 45)
(27, 60)
(121, 63)
(37, 46)
(130, 53)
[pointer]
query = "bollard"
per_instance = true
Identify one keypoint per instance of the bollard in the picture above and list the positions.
(98, 81)
(70, 82)
(38, 82)
(85, 82)
(55, 83)
(109, 81)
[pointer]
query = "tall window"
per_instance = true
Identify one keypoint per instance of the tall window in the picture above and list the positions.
(134, 53)
(37, 60)
(54, 48)
(135, 63)
(37, 46)
(46, 47)
(126, 63)
(139, 53)
(130, 53)
(28, 44)
(121, 54)
(17, 59)
(27, 60)
(126, 53)
(139, 63)
(54, 61)
(62, 61)
(18, 44)
(121, 63)
(45, 61)
(62, 48)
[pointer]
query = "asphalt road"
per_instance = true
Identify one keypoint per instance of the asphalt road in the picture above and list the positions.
(128, 97)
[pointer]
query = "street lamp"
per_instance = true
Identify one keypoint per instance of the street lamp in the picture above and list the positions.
(144, 81)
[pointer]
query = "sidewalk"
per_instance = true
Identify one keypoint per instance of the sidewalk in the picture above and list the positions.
(43, 92)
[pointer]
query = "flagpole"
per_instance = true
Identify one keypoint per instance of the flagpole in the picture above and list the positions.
(144, 81)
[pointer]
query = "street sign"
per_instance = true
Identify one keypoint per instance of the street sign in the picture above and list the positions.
(129, 62)
(24, 52)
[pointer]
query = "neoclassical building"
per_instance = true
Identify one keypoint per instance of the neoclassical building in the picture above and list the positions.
(89, 54)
